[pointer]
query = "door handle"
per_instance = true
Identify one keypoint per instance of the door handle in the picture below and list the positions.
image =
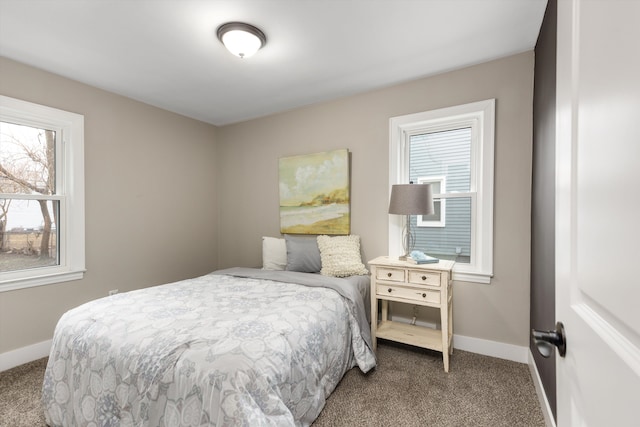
(546, 340)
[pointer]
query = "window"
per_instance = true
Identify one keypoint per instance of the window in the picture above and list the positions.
(452, 149)
(41, 195)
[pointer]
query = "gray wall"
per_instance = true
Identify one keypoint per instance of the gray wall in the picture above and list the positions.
(248, 193)
(149, 177)
(543, 197)
(143, 164)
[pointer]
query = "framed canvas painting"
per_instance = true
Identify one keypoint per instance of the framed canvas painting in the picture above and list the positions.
(314, 193)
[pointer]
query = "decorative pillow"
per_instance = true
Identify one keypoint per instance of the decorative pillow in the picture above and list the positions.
(274, 253)
(302, 254)
(340, 256)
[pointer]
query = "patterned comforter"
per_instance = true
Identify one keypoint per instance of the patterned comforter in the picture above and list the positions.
(234, 347)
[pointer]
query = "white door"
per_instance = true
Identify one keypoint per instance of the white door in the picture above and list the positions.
(598, 212)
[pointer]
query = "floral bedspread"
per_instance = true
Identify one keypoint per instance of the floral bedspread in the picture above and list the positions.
(215, 350)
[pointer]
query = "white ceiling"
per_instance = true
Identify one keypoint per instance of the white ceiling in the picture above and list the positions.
(165, 52)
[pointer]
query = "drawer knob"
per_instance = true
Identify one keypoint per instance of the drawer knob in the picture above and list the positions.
(424, 295)
(389, 290)
(424, 277)
(388, 274)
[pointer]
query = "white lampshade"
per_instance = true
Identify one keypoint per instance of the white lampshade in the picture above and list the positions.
(241, 39)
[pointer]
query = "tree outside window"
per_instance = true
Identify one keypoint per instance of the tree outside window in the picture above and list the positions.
(28, 228)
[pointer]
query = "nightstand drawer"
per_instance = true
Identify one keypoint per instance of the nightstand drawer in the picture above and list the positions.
(424, 277)
(414, 294)
(392, 274)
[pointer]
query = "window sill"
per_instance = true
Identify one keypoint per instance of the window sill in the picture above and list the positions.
(472, 276)
(45, 279)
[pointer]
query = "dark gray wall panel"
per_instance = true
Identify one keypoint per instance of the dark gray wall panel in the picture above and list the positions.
(543, 196)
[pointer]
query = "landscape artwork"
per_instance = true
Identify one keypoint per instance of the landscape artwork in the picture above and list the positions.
(314, 193)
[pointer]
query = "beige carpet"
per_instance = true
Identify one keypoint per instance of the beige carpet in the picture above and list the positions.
(408, 388)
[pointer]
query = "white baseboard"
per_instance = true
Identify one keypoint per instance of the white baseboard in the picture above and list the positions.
(397, 318)
(497, 349)
(542, 396)
(23, 355)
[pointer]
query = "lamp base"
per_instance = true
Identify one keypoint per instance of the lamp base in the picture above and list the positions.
(404, 257)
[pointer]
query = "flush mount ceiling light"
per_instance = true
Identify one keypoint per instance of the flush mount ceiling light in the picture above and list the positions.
(241, 39)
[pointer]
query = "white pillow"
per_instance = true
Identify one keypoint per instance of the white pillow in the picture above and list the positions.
(274, 253)
(340, 256)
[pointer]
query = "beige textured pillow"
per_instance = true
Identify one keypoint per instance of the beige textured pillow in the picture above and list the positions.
(340, 256)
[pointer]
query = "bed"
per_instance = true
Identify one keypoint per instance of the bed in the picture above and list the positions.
(239, 346)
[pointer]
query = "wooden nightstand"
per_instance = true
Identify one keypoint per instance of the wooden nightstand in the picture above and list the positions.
(416, 284)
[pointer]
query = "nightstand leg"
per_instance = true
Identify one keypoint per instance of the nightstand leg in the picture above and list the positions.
(374, 321)
(451, 328)
(444, 329)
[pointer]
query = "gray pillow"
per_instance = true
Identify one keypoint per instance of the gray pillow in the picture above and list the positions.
(303, 254)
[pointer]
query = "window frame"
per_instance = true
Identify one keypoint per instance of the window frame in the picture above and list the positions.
(69, 129)
(480, 116)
